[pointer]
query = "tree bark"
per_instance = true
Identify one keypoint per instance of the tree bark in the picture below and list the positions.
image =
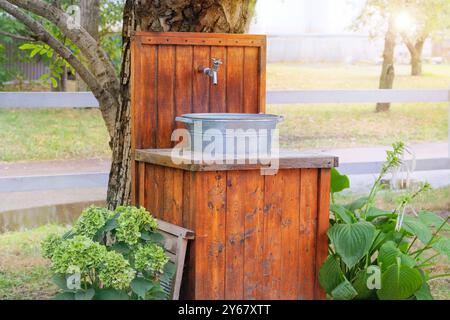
(90, 21)
(416, 58)
(388, 70)
(219, 16)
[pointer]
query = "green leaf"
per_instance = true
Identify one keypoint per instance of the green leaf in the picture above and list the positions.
(85, 294)
(141, 286)
(360, 285)
(414, 226)
(344, 291)
(330, 274)
(399, 282)
(357, 204)
(432, 219)
(424, 293)
(110, 294)
(389, 252)
(54, 82)
(352, 241)
(442, 245)
(374, 213)
(157, 237)
(65, 296)
(146, 235)
(343, 213)
(27, 46)
(34, 52)
(339, 182)
(121, 247)
(60, 281)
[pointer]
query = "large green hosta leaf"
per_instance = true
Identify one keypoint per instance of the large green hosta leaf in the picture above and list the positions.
(330, 274)
(374, 213)
(432, 219)
(343, 213)
(344, 291)
(339, 182)
(352, 241)
(360, 285)
(416, 227)
(399, 282)
(388, 256)
(442, 245)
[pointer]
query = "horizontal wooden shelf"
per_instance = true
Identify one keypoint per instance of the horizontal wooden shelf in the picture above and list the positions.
(188, 161)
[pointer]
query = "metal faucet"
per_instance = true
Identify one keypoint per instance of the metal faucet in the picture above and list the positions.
(212, 72)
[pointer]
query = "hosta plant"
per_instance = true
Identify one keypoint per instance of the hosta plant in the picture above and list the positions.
(109, 255)
(382, 254)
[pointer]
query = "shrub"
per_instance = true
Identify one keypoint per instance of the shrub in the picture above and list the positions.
(379, 254)
(109, 255)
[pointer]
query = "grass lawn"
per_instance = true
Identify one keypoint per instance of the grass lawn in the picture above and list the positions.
(52, 134)
(24, 274)
(71, 134)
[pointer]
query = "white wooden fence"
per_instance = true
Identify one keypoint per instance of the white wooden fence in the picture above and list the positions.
(87, 100)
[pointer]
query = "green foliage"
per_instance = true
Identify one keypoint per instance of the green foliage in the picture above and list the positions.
(109, 255)
(131, 222)
(374, 253)
(151, 258)
(91, 220)
(56, 64)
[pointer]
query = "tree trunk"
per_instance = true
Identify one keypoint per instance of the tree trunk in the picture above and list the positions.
(90, 21)
(388, 70)
(220, 16)
(416, 58)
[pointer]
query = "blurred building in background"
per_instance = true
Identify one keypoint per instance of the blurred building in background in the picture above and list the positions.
(319, 31)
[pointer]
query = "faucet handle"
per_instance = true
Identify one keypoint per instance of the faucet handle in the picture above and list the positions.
(217, 61)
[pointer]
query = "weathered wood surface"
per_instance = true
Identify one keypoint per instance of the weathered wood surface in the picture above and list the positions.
(188, 161)
(167, 82)
(256, 237)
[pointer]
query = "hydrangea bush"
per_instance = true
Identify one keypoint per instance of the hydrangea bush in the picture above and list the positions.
(109, 255)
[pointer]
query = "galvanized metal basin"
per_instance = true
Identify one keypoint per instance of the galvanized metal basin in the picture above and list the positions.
(240, 133)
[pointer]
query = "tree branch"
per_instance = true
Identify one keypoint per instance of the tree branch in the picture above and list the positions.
(99, 61)
(108, 103)
(17, 36)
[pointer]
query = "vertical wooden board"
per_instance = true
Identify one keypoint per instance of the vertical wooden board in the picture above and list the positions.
(147, 118)
(262, 79)
(323, 220)
(252, 188)
(235, 79)
(273, 196)
(183, 81)
(251, 60)
(189, 222)
(201, 83)
(142, 184)
(290, 220)
(235, 236)
(143, 98)
(307, 241)
(217, 95)
(166, 94)
(210, 213)
(149, 189)
(134, 182)
(177, 206)
(158, 190)
(168, 195)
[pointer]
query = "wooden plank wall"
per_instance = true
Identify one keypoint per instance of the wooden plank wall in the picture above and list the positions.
(166, 82)
(257, 237)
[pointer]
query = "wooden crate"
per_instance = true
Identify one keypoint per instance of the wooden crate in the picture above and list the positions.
(256, 237)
